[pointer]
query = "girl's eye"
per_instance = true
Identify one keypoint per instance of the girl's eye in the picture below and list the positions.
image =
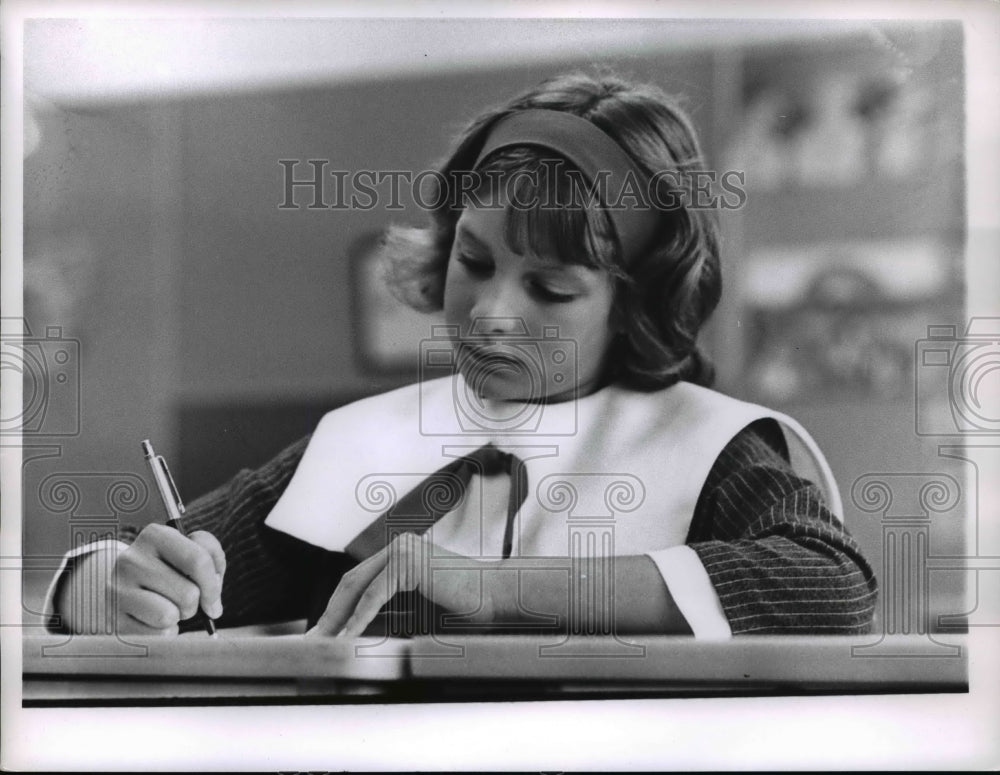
(475, 266)
(552, 296)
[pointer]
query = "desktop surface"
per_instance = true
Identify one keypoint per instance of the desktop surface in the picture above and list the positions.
(254, 666)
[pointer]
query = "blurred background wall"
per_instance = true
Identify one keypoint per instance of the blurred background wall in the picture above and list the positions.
(189, 308)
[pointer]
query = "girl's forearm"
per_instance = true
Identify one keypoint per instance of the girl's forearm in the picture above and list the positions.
(619, 594)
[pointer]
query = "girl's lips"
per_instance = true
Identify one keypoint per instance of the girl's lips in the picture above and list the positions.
(492, 354)
(484, 365)
(495, 354)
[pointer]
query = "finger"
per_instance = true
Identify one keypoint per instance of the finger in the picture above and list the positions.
(151, 574)
(129, 625)
(192, 560)
(345, 597)
(211, 602)
(378, 593)
(149, 609)
(403, 573)
(211, 544)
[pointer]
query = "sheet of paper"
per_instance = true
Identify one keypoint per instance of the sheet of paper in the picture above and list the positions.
(228, 655)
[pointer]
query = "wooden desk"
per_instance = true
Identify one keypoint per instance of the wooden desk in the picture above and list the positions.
(240, 667)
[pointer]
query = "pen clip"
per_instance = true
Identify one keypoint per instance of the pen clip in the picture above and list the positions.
(170, 481)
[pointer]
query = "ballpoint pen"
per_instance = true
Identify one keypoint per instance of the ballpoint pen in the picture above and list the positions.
(171, 502)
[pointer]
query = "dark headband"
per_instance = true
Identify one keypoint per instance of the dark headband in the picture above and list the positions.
(590, 149)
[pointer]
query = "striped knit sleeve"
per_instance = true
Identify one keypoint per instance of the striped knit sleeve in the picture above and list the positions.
(268, 575)
(779, 560)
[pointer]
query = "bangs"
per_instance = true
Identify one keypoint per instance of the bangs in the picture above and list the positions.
(547, 212)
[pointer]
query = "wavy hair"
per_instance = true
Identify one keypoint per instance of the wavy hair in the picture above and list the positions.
(663, 296)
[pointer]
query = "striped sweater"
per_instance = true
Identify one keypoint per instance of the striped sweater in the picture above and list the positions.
(779, 560)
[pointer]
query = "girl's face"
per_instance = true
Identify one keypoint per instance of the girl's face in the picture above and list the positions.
(530, 328)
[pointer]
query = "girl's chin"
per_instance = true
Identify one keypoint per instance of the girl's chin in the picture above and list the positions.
(497, 388)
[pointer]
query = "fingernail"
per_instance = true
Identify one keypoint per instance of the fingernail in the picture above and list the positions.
(215, 610)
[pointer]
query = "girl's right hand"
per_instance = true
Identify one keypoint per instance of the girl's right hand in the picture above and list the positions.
(164, 578)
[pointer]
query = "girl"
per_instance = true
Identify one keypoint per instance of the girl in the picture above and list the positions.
(575, 471)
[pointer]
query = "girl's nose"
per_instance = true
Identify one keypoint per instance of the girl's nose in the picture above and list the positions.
(497, 312)
(498, 326)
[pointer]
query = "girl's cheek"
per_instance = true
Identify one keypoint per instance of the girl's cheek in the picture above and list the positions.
(457, 301)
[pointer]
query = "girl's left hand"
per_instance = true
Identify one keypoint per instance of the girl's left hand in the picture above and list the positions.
(407, 564)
